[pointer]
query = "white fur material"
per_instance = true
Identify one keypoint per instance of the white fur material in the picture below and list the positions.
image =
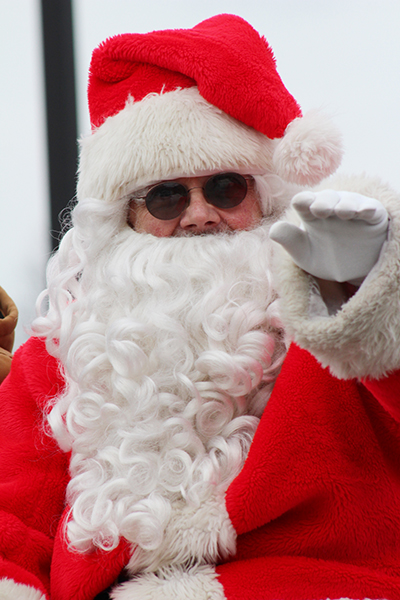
(197, 532)
(164, 136)
(171, 348)
(194, 583)
(9, 590)
(310, 150)
(361, 339)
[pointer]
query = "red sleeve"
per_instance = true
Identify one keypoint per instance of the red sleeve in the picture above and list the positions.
(279, 470)
(309, 410)
(387, 391)
(33, 470)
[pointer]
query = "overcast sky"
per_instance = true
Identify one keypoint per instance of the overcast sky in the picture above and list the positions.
(342, 55)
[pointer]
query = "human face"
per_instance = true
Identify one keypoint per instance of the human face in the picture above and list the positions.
(199, 217)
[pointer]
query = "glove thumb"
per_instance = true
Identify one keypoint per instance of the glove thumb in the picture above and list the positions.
(295, 241)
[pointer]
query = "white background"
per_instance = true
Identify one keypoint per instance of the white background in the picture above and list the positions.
(341, 55)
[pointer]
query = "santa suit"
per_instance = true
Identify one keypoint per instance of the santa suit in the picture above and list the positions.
(314, 513)
(316, 507)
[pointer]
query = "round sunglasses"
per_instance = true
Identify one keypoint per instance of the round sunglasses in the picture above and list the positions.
(168, 200)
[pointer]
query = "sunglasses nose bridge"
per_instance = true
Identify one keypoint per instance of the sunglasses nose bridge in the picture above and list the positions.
(199, 214)
(198, 198)
(203, 194)
(196, 187)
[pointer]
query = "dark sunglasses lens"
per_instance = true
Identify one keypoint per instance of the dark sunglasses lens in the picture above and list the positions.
(226, 190)
(167, 200)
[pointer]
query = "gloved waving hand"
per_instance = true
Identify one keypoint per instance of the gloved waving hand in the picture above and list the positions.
(339, 237)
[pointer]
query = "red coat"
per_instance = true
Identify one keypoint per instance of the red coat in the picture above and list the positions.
(316, 506)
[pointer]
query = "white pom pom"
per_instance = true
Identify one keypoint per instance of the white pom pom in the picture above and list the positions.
(310, 150)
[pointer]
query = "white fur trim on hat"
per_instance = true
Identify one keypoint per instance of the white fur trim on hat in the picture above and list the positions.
(310, 150)
(163, 136)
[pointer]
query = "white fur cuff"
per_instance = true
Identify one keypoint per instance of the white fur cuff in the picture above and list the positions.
(197, 583)
(9, 590)
(362, 338)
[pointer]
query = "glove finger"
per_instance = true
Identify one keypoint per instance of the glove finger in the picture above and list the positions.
(346, 209)
(324, 204)
(294, 240)
(374, 214)
(301, 203)
(360, 208)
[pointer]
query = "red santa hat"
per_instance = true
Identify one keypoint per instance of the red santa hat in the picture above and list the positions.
(194, 101)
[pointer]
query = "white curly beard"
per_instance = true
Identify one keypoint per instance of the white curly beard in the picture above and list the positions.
(170, 349)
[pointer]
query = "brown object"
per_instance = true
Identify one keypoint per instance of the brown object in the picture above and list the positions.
(7, 328)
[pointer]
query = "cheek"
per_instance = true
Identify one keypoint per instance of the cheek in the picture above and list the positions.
(247, 216)
(142, 221)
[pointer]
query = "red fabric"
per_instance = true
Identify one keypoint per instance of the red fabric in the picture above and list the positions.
(21, 575)
(300, 578)
(83, 576)
(33, 471)
(231, 64)
(386, 391)
(316, 506)
(33, 480)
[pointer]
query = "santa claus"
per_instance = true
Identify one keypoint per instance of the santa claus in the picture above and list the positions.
(159, 439)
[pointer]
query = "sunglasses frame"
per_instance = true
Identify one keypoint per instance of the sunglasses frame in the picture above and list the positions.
(145, 197)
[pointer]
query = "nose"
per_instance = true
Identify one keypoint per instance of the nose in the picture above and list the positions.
(199, 216)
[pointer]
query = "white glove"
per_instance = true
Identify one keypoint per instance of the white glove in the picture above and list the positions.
(340, 236)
